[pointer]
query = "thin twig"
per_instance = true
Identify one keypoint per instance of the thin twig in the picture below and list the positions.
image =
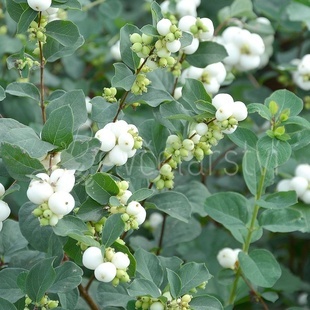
(90, 281)
(87, 298)
(161, 238)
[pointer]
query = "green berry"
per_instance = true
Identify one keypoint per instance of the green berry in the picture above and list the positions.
(160, 184)
(125, 217)
(37, 212)
(137, 47)
(146, 39)
(135, 38)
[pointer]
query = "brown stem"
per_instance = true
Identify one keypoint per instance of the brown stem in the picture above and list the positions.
(177, 78)
(161, 238)
(87, 297)
(41, 76)
(255, 293)
(90, 281)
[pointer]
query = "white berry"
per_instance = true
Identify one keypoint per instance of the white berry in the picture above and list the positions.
(92, 258)
(240, 111)
(5, 210)
(163, 26)
(107, 139)
(120, 260)
(126, 142)
(133, 208)
(1, 226)
(306, 197)
(173, 46)
(39, 5)
(2, 190)
(299, 185)
(124, 198)
(117, 156)
(62, 180)
(61, 203)
(284, 186)
(157, 305)
(303, 170)
(105, 272)
(227, 258)
(39, 191)
(201, 128)
(141, 216)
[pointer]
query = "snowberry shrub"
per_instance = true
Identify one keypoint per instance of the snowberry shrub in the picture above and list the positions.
(176, 177)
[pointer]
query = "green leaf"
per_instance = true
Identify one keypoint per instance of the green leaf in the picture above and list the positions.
(261, 109)
(63, 31)
(68, 277)
(69, 299)
(305, 211)
(112, 229)
(175, 283)
(6, 305)
(206, 302)
(80, 154)
(27, 139)
(150, 130)
(2, 93)
(36, 235)
(149, 267)
(123, 77)
(173, 203)
(286, 100)
(9, 288)
(156, 13)
(192, 275)
(58, 128)
(39, 279)
(128, 56)
(251, 170)
(229, 209)
(244, 138)
(260, 267)
(206, 54)
(53, 50)
(76, 100)
(272, 152)
(176, 230)
(140, 287)
(141, 194)
(11, 238)
(102, 111)
(299, 12)
(101, 187)
(281, 220)
(111, 8)
(154, 96)
(239, 8)
(90, 210)
(193, 93)
(18, 162)
(278, 200)
(108, 295)
(196, 193)
(7, 124)
(25, 19)
(28, 90)
(15, 9)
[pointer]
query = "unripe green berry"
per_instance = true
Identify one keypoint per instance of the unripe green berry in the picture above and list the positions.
(28, 301)
(170, 37)
(186, 298)
(165, 169)
(193, 29)
(146, 39)
(47, 214)
(170, 61)
(169, 184)
(146, 50)
(160, 184)
(135, 38)
(145, 306)
(137, 47)
(115, 282)
(138, 304)
(53, 304)
(44, 222)
(178, 34)
(158, 45)
(125, 217)
(188, 144)
(163, 62)
(37, 212)
(183, 152)
(134, 224)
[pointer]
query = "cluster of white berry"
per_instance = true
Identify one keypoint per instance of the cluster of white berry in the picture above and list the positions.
(228, 257)
(133, 213)
(300, 183)
(212, 76)
(244, 48)
(5, 210)
(301, 76)
(202, 136)
(110, 267)
(150, 303)
(202, 29)
(52, 195)
(39, 5)
(120, 140)
(182, 7)
(229, 112)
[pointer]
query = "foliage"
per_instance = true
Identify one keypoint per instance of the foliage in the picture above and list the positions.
(146, 159)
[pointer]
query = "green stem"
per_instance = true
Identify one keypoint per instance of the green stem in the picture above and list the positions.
(251, 229)
(92, 4)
